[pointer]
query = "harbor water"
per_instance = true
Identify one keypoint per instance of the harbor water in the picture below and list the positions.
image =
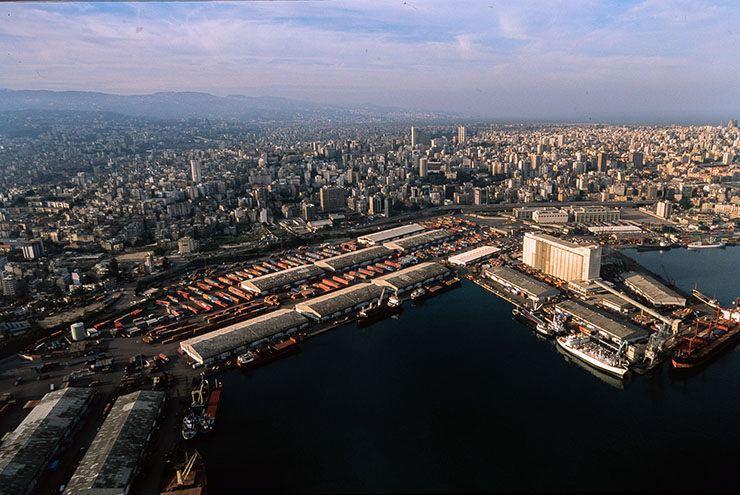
(454, 395)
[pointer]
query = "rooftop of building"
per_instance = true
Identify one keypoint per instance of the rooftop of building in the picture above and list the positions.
(24, 454)
(348, 260)
(279, 279)
(380, 237)
(653, 290)
(114, 454)
(411, 276)
(523, 282)
(603, 321)
(474, 254)
(340, 300)
(561, 242)
(414, 241)
(244, 333)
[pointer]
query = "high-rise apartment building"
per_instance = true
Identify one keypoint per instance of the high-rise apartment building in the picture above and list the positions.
(376, 204)
(33, 249)
(562, 259)
(602, 160)
(414, 137)
(664, 209)
(332, 199)
(308, 211)
(195, 171)
(461, 137)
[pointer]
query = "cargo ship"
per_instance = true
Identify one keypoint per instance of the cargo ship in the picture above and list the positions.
(251, 359)
(699, 350)
(598, 356)
(380, 310)
(423, 293)
(186, 476)
(531, 319)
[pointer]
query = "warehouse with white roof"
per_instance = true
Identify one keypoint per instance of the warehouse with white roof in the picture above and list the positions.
(238, 338)
(390, 234)
(355, 259)
(282, 280)
(412, 277)
(473, 256)
(339, 302)
(419, 241)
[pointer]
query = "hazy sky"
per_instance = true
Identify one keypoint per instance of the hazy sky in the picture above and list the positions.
(627, 60)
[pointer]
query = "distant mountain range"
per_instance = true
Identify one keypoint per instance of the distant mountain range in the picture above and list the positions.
(178, 105)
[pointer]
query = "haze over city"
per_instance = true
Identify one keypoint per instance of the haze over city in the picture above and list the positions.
(640, 61)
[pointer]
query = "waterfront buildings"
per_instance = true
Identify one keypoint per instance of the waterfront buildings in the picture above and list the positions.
(562, 259)
(518, 283)
(653, 291)
(609, 330)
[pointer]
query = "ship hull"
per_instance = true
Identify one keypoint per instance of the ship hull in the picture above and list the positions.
(374, 315)
(593, 362)
(267, 357)
(707, 354)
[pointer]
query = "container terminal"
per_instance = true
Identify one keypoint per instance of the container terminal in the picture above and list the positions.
(606, 312)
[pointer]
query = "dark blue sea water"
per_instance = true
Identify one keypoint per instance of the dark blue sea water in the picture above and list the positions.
(456, 396)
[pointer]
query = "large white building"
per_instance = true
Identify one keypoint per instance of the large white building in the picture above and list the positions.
(562, 259)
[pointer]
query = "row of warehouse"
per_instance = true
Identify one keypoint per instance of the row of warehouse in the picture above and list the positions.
(293, 277)
(238, 338)
(109, 465)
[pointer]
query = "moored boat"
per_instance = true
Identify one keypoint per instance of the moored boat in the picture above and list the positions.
(251, 359)
(380, 311)
(698, 351)
(590, 352)
(705, 245)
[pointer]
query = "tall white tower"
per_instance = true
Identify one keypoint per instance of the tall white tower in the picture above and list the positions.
(195, 171)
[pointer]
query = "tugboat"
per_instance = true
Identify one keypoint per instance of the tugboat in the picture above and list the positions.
(532, 320)
(380, 310)
(418, 294)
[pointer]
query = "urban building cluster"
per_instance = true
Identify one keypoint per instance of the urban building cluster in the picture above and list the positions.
(81, 197)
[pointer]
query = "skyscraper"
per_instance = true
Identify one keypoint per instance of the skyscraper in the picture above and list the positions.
(414, 137)
(601, 162)
(195, 171)
(422, 167)
(461, 137)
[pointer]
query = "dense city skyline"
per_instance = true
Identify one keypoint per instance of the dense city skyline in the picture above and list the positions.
(650, 61)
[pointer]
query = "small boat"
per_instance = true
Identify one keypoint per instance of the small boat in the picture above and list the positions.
(189, 427)
(418, 294)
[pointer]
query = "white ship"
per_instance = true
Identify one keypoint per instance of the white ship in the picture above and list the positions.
(704, 245)
(589, 352)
